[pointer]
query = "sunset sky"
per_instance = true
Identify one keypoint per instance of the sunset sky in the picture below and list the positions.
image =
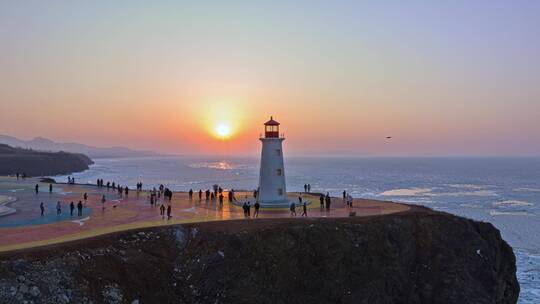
(440, 77)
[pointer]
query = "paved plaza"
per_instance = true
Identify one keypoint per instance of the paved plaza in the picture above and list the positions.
(22, 225)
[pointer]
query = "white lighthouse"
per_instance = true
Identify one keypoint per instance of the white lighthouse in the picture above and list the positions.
(272, 189)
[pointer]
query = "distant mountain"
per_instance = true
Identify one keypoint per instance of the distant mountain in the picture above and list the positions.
(44, 144)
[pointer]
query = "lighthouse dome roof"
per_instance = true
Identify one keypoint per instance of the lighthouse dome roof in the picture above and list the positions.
(271, 122)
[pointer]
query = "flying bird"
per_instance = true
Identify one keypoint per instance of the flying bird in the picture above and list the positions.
(388, 137)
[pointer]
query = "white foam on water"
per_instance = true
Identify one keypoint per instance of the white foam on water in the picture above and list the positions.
(525, 189)
(471, 205)
(407, 192)
(513, 203)
(528, 277)
(511, 213)
(429, 192)
(466, 193)
(467, 186)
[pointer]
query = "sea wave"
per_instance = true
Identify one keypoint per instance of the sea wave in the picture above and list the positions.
(407, 192)
(526, 189)
(467, 193)
(510, 213)
(527, 273)
(476, 206)
(512, 203)
(467, 186)
(429, 192)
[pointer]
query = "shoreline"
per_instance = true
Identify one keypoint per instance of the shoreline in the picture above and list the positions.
(411, 250)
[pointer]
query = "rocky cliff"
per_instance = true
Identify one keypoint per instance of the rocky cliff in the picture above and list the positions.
(418, 256)
(37, 163)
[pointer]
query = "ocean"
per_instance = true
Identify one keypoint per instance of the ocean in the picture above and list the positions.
(502, 191)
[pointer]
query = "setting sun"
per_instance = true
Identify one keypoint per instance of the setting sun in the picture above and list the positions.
(223, 130)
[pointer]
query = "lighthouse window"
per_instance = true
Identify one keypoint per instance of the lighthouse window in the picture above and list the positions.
(279, 172)
(278, 152)
(280, 191)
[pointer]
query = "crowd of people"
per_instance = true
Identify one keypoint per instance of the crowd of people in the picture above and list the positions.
(162, 199)
(59, 208)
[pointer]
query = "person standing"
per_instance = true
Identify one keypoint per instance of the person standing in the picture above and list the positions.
(37, 189)
(85, 197)
(79, 208)
(162, 211)
(58, 208)
(50, 188)
(71, 208)
(221, 199)
(293, 209)
(305, 187)
(200, 194)
(249, 209)
(328, 201)
(244, 207)
(256, 206)
(169, 210)
(190, 194)
(304, 209)
(321, 199)
(42, 208)
(308, 188)
(103, 200)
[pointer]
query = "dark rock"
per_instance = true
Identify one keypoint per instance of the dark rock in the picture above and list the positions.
(418, 256)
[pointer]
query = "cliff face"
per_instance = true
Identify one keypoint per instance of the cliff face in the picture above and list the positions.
(415, 257)
(36, 163)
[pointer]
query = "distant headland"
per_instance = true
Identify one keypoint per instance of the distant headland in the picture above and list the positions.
(45, 144)
(39, 163)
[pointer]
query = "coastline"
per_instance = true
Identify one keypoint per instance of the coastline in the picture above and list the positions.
(359, 257)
